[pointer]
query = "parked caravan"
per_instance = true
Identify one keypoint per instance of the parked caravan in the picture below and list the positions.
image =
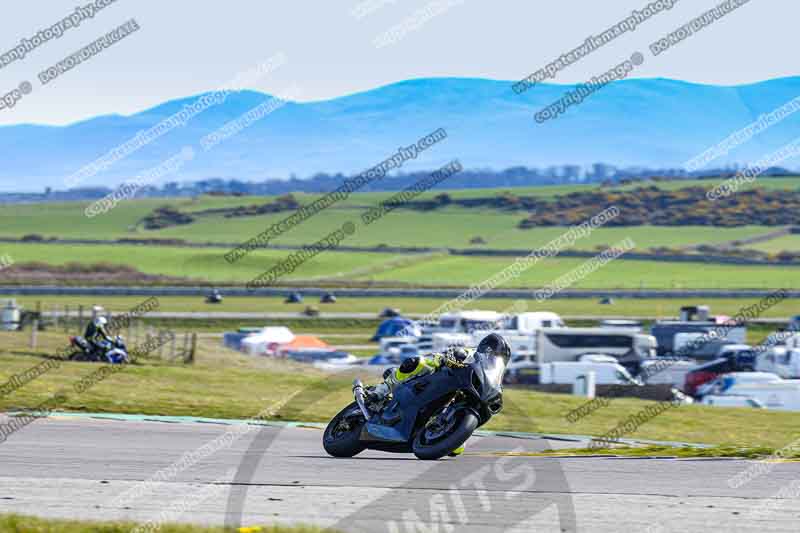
(629, 347)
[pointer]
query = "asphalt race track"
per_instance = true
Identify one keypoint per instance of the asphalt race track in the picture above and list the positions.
(80, 468)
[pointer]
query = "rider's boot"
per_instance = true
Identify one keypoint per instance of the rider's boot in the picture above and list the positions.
(455, 453)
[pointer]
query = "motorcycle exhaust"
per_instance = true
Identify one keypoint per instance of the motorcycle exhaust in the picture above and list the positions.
(358, 392)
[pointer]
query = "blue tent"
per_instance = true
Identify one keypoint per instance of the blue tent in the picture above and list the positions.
(394, 327)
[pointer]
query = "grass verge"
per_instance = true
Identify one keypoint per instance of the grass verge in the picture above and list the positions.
(742, 452)
(25, 524)
(225, 384)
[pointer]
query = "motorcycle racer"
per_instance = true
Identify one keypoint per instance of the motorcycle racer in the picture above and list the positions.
(453, 357)
(96, 334)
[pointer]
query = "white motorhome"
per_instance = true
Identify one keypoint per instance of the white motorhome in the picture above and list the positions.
(531, 322)
(519, 331)
(457, 323)
(566, 373)
(753, 389)
(571, 343)
(468, 328)
(466, 321)
(780, 360)
(442, 341)
(524, 345)
(525, 369)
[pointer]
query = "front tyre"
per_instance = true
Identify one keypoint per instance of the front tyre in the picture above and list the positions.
(435, 439)
(341, 438)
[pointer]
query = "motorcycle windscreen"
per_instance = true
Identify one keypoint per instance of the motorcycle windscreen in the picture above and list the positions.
(493, 366)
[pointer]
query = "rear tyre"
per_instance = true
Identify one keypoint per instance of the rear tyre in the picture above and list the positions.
(434, 443)
(78, 356)
(341, 438)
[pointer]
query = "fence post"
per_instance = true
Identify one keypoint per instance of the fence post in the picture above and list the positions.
(147, 338)
(189, 359)
(161, 344)
(80, 317)
(172, 346)
(185, 351)
(34, 331)
(66, 318)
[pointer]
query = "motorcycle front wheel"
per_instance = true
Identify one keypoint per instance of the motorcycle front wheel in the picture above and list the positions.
(341, 438)
(437, 439)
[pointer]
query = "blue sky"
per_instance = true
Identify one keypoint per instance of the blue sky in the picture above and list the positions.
(189, 46)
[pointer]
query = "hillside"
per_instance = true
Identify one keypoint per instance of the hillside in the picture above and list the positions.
(655, 123)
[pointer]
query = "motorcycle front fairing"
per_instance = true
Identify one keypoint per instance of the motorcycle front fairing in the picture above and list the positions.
(116, 351)
(487, 383)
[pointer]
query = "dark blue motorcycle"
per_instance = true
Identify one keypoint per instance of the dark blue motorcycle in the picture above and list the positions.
(114, 352)
(430, 415)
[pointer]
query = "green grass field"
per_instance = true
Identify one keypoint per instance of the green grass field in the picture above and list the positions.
(578, 307)
(203, 264)
(452, 227)
(208, 264)
(449, 227)
(789, 242)
(619, 274)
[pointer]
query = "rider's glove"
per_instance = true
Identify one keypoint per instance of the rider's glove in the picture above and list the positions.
(452, 362)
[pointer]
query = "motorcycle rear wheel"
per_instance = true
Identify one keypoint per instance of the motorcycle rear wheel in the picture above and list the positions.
(79, 356)
(431, 449)
(341, 438)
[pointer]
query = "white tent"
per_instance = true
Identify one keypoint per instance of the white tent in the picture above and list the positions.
(267, 340)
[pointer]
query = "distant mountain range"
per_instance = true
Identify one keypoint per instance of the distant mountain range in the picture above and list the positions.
(657, 123)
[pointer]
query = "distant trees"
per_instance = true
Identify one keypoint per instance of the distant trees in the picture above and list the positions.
(164, 217)
(683, 207)
(167, 216)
